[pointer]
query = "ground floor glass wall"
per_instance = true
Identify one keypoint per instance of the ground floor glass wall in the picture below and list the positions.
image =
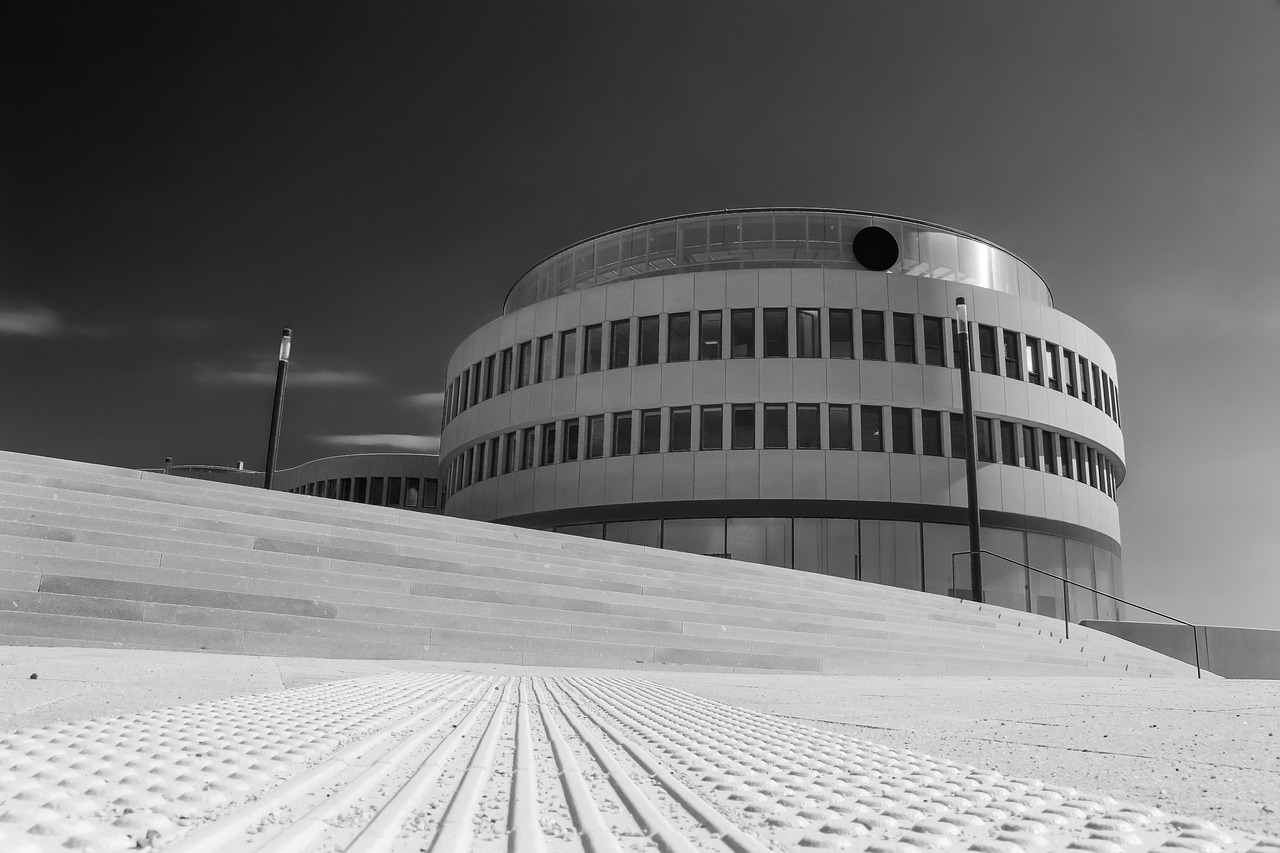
(907, 554)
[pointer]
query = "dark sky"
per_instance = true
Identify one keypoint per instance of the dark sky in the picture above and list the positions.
(180, 181)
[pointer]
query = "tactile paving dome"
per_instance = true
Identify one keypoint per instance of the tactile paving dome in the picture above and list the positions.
(408, 761)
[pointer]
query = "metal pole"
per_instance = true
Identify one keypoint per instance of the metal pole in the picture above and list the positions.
(970, 450)
(277, 409)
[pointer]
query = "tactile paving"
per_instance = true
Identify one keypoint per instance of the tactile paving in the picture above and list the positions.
(448, 763)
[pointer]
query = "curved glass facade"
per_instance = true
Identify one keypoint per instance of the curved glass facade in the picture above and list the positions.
(755, 239)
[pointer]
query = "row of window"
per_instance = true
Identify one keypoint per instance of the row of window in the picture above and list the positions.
(410, 492)
(779, 426)
(786, 333)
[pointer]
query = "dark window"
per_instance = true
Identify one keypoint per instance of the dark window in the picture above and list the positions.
(744, 427)
(524, 367)
(595, 436)
(1097, 388)
(333, 488)
(1008, 443)
(622, 434)
(957, 436)
(546, 358)
(1069, 358)
(475, 383)
(1030, 458)
(775, 426)
(464, 387)
(872, 429)
(527, 448)
(904, 438)
(593, 348)
(678, 337)
(375, 490)
(957, 351)
(841, 323)
(931, 432)
(935, 347)
(709, 335)
(1012, 356)
(480, 466)
(1064, 444)
(808, 431)
(1093, 467)
(488, 376)
(840, 426)
(681, 426)
(742, 333)
(775, 333)
(512, 444)
(620, 343)
(904, 338)
(1106, 393)
(468, 466)
(648, 353)
(429, 491)
(651, 431)
(808, 335)
(1054, 363)
(504, 374)
(1084, 379)
(982, 437)
(569, 453)
(548, 444)
(393, 490)
(568, 353)
(1034, 373)
(1050, 452)
(711, 435)
(1082, 461)
(987, 350)
(873, 335)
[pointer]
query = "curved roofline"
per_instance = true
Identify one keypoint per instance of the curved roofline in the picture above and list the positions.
(352, 455)
(870, 213)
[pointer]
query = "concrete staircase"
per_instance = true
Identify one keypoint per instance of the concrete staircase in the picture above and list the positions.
(99, 556)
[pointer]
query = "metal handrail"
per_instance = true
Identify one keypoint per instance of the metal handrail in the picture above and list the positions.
(1066, 599)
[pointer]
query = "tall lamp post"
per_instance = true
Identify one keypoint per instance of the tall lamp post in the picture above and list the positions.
(277, 409)
(970, 450)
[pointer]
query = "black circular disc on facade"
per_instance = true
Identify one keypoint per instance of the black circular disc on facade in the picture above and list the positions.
(875, 248)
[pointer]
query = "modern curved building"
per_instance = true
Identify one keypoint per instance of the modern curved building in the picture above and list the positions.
(780, 386)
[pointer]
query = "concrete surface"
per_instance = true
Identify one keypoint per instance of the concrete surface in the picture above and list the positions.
(1208, 748)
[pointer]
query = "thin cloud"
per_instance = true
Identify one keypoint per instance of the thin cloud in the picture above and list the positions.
(264, 373)
(416, 443)
(430, 399)
(185, 328)
(30, 322)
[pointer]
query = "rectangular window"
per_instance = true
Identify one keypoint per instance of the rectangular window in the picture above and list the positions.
(872, 429)
(524, 364)
(489, 377)
(1069, 358)
(648, 352)
(468, 467)
(873, 335)
(1008, 443)
(1030, 457)
(904, 338)
(527, 448)
(904, 439)
(1049, 446)
(1054, 363)
(808, 431)
(620, 343)
(987, 350)
(678, 337)
(476, 385)
(681, 428)
(595, 436)
(808, 334)
(775, 426)
(1106, 393)
(592, 348)
(393, 490)
(1093, 467)
(1084, 379)
(709, 335)
(548, 444)
(982, 437)
(463, 388)
(1034, 373)
(376, 485)
(935, 348)
(840, 426)
(430, 488)
(480, 460)
(744, 427)
(1064, 444)
(509, 452)
(622, 434)
(931, 432)
(711, 433)
(651, 431)
(546, 358)
(333, 488)
(569, 453)
(775, 333)
(1082, 461)
(362, 490)
(1012, 356)
(568, 353)
(742, 333)
(957, 351)
(1097, 388)
(957, 436)
(840, 322)
(504, 371)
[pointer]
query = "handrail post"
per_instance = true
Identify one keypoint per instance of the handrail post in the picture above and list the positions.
(1195, 641)
(1066, 605)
